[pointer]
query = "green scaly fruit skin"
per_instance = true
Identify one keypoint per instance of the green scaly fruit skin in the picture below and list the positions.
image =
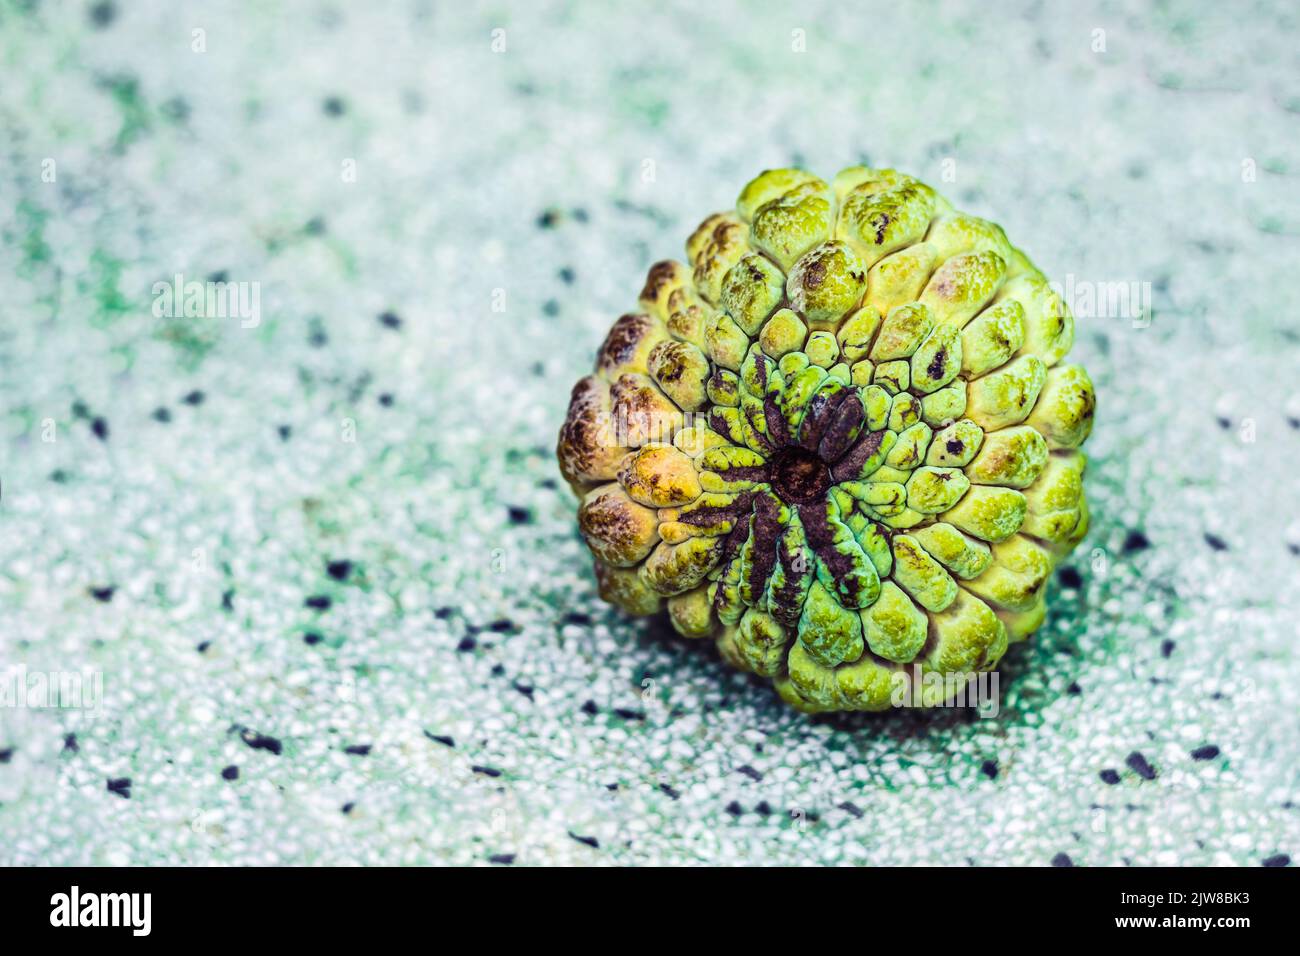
(840, 441)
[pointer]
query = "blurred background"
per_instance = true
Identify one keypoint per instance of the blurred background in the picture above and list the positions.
(310, 560)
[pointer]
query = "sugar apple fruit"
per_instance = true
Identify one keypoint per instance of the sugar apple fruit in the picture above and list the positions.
(841, 442)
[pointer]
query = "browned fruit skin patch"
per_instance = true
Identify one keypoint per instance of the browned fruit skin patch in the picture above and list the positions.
(840, 439)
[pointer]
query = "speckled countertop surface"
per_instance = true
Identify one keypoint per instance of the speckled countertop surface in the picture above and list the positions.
(325, 567)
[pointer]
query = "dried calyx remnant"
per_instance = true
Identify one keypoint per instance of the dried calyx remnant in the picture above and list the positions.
(841, 442)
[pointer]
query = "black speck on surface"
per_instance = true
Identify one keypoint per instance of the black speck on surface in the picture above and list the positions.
(503, 859)
(443, 739)
(1215, 542)
(628, 714)
(1109, 776)
(1062, 860)
(6, 754)
(734, 809)
(1280, 859)
(1135, 541)
(70, 744)
(502, 625)
(202, 646)
(486, 771)
(548, 219)
(852, 809)
(673, 793)
(1139, 765)
(284, 431)
(120, 786)
(750, 772)
(589, 707)
(348, 807)
(100, 427)
(312, 638)
(318, 602)
(386, 399)
(990, 769)
(589, 841)
(442, 613)
(1208, 752)
(764, 808)
(519, 515)
(525, 689)
(339, 570)
(498, 670)
(550, 308)
(334, 106)
(467, 644)
(102, 14)
(1074, 690)
(162, 414)
(390, 320)
(1167, 647)
(567, 276)
(261, 742)
(194, 398)
(230, 773)
(1070, 578)
(357, 750)
(103, 595)
(576, 617)
(228, 599)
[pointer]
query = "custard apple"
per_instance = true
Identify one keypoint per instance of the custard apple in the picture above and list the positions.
(841, 442)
